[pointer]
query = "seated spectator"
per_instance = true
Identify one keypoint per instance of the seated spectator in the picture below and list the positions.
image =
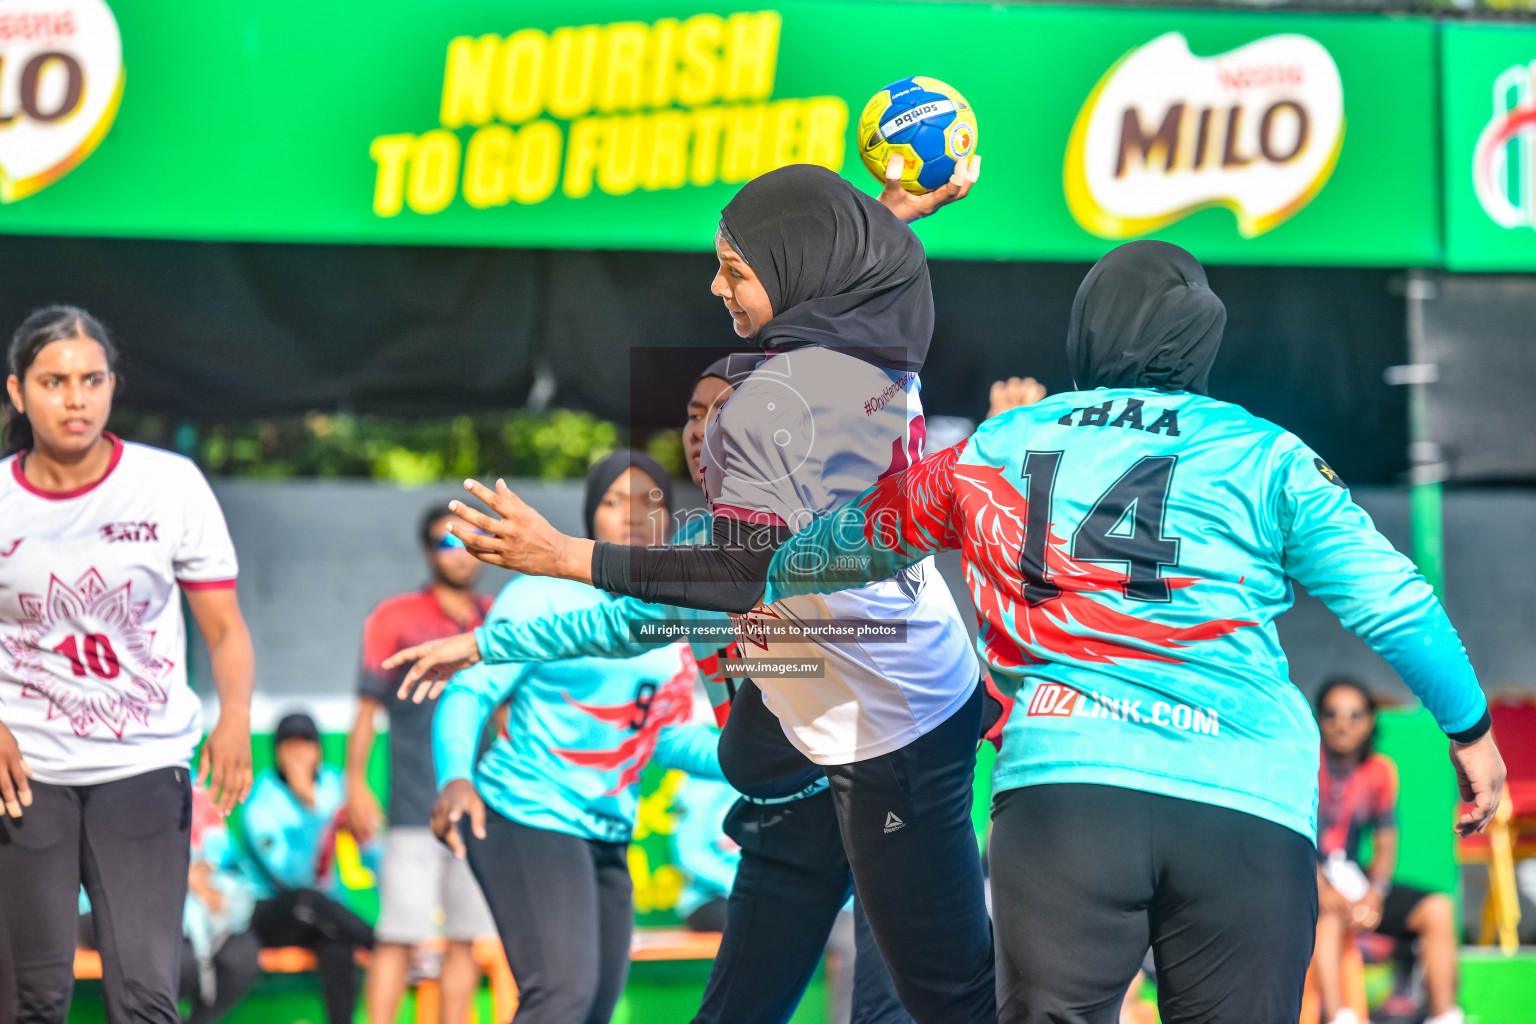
(1357, 793)
(290, 830)
(703, 852)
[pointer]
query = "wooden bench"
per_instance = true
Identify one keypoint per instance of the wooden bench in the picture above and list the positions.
(647, 944)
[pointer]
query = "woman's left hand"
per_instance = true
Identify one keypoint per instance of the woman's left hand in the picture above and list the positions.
(910, 207)
(521, 540)
(224, 767)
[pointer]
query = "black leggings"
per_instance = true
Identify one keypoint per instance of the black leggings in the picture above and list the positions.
(906, 824)
(796, 871)
(304, 917)
(564, 908)
(1085, 877)
(791, 882)
(128, 843)
(236, 966)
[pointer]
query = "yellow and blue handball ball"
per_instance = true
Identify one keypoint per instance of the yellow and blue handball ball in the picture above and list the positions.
(925, 122)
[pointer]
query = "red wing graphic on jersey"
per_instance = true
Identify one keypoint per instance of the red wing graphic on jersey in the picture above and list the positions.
(922, 509)
(915, 507)
(995, 514)
(670, 704)
(83, 649)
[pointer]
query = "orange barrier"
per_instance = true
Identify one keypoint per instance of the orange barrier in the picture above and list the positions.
(647, 944)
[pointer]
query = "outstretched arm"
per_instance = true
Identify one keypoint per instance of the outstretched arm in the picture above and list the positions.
(614, 629)
(725, 575)
(1331, 547)
(901, 520)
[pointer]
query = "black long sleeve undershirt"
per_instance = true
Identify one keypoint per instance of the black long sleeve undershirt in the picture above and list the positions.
(728, 574)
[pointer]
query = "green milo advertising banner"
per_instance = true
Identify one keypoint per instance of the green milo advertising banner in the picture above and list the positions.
(1248, 138)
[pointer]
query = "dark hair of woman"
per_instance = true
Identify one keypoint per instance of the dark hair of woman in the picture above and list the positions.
(1346, 683)
(39, 330)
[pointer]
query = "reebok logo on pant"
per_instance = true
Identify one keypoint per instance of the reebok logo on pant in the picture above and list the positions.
(892, 823)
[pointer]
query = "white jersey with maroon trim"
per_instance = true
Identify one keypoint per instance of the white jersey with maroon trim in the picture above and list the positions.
(810, 430)
(93, 675)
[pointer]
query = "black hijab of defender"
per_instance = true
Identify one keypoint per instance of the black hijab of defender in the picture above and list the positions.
(840, 270)
(1145, 317)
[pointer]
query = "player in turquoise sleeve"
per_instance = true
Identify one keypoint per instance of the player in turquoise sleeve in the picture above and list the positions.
(1180, 654)
(617, 628)
(552, 803)
(579, 730)
(1128, 547)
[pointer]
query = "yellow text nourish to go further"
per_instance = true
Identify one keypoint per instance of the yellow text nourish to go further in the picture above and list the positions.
(658, 106)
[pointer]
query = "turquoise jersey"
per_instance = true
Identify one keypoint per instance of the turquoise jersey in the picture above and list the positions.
(1128, 551)
(579, 731)
(286, 844)
(622, 627)
(700, 847)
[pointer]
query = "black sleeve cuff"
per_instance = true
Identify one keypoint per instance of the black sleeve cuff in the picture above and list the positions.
(1477, 732)
(609, 567)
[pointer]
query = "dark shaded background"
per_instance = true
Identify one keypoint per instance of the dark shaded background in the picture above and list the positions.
(219, 331)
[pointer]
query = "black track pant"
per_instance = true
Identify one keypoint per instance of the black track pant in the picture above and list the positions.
(564, 908)
(1085, 877)
(792, 881)
(128, 843)
(304, 917)
(906, 824)
(236, 966)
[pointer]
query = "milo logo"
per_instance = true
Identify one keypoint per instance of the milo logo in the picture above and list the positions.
(61, 80)
(1165, 133)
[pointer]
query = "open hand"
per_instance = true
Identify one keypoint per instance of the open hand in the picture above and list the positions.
(436, 662)
(521, 539)
(15, 790)
(457, 799)
(224, 766)
(1480, 776)
(910, 207)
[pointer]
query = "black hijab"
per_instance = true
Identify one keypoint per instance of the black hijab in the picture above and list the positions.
(840, 269)
(733, 368)
(1144, 317)
(602, 475)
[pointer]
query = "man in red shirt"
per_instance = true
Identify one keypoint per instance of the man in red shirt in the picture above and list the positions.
(1357, 795)
(420, 876)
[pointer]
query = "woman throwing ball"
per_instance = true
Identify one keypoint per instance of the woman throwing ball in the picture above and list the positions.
(98, 541)
(834, 288)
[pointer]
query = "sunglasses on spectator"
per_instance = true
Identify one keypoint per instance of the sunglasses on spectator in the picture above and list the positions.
(449, 541)
(1329, 714)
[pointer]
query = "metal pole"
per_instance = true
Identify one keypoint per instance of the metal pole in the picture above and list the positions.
(1427, 468)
